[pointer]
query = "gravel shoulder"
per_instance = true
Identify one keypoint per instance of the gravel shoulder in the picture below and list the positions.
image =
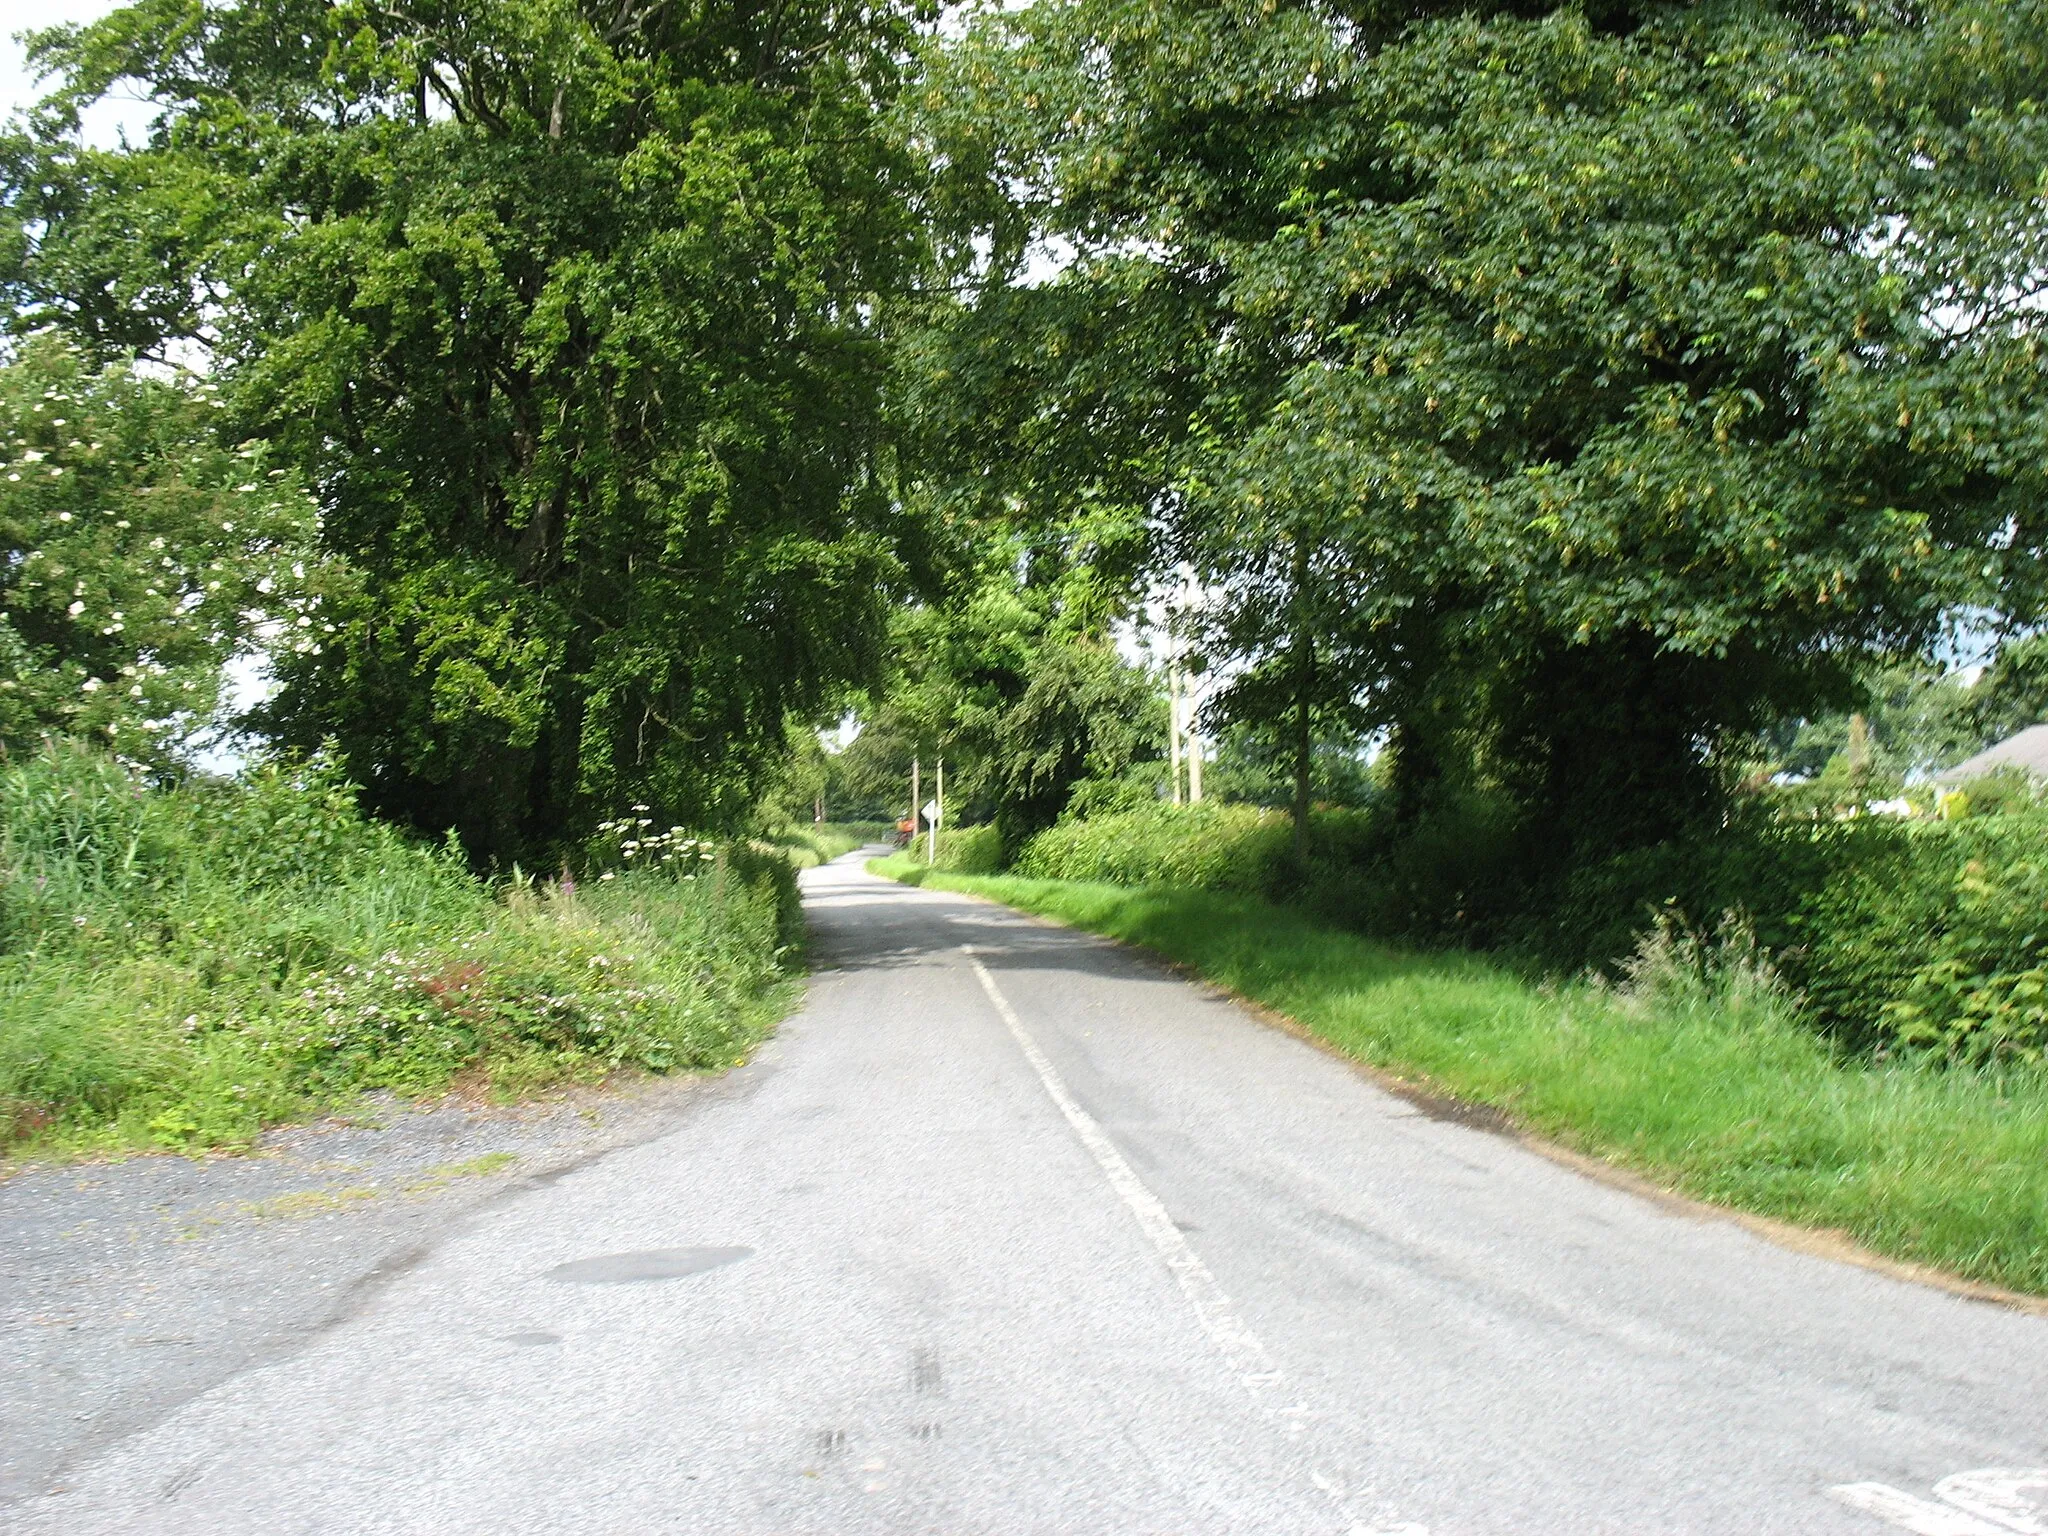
(128, 1288)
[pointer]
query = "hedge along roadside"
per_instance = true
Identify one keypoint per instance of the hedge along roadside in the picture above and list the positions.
(1693, 1070)
(182, 967)
(1921, 938)
(965, 851)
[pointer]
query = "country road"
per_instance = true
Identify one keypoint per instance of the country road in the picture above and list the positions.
(1011, 1231)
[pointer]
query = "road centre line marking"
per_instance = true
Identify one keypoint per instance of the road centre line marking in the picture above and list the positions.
(1240, 1347)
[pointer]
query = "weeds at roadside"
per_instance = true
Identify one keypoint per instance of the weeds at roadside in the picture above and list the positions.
(182, 967)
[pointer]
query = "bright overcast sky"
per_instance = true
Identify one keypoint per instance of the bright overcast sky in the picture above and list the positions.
(18, 91)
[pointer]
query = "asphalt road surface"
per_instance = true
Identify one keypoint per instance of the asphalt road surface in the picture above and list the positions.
(1011, 1231)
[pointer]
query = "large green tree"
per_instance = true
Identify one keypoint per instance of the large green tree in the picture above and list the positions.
(573, 310)
(1596, 385)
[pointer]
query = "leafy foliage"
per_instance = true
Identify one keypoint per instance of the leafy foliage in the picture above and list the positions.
(1571, 395)
(2013, 693)
(1017, 686)
(962, 850)
(572, 313)
(1924, 938)
(1916, 719)
(1213, 846)
(140, 555)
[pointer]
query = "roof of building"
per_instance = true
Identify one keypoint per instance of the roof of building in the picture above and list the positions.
(2028, 750)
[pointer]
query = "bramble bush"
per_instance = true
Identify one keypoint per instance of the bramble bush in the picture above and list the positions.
(181, 966)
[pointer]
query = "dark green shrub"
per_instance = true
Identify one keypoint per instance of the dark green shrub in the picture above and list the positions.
(1459, 874)
(967, 850)
(1894, 934)
(1914, 934)
(1593, 915)
(1939, 947)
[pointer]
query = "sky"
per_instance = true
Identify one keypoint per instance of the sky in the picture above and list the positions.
(18, 91)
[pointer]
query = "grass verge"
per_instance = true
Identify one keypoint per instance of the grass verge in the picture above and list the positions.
(1693, 1075)
(180, 967)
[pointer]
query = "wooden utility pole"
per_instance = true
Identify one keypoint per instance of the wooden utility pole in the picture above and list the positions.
(1173, 727)
(914, 812)
(931, 852)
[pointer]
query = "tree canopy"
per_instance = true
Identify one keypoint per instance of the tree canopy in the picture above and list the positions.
(1015, 680)
(1569, 392)
(1558, 396)
(143, 555)
(574, 314)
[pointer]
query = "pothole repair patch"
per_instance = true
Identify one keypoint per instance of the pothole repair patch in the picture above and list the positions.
(653, 1264)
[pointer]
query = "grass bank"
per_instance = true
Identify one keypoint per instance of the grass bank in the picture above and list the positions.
(1695, 1071)
(181, 967)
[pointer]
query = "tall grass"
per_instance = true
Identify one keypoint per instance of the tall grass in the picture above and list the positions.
(1693, 1069)
(183, 966)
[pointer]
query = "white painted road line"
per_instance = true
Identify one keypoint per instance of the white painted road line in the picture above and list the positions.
(2006, 1496)
(1992, 1501)
(1263, 1380)
(1911, 1514)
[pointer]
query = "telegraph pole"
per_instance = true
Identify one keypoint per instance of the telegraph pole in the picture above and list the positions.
(1173, 726)
(912, 844)
(931, 850)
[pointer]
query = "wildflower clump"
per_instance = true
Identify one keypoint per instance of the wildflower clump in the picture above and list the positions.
(633, 841)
